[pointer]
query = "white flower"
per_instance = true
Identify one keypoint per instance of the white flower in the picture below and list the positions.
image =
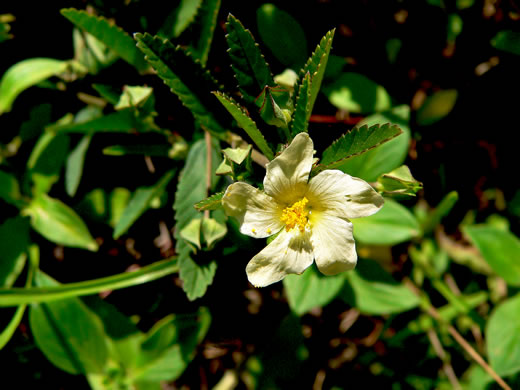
(311, 216)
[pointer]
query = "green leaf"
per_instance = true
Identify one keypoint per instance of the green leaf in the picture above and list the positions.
(357, 141)
(74, 167)
(442, 210)
(195, 274)
(211, 203)
(503, 337)
(121, 121)
(501, 249)
(282, 34)
(508, 41)
(140, 202)
(25, 74)
(14, 236)
(185, 15)
(246, 123)
(389, 226)
(251, 70)
(356, 93)
(58, 223)
(111, 35)
(9, 189)
(300, 119)
(17, 296)
(315, 66)
(436, 107)
(170, 346)
(108, 92)
(310, 290)
(399, 182)
(373, 291)
(207, 22)
(237, 155)
(385, 158)
(68, 333)
(185, 77)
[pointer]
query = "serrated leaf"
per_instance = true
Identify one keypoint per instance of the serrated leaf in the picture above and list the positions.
(503, 337)
(311, 290)
(185, 77)
(282, 34)
(389, 226)
(246, 123)
(251, 70)
(196, 276)
(357, 141)
(501, 249)
(58, 223)
(386, 157)
(111, 35)
(301, 115)
(139, 203)
(207, 21)
(185, 15)
(212, 203)
(25, 74)
(316, 66)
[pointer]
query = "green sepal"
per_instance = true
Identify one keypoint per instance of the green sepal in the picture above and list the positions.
(275, 106)
(399, 182)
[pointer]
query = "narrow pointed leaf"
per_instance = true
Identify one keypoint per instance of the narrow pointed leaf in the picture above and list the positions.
(14, 236)
(185, 77)
(207, 17)
(123, 121)
(185, 15)
(111, 35)
(357, 141)
(301, 114)
(9, 188)
(316, 65)
(25, 74)
(211, 203)
(251, 70)
(58, 223)
(74, 166)
(139, 203)
(246, 123)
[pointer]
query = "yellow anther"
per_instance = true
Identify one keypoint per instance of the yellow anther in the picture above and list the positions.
(296, 215)
(268, 231)
(253, 231)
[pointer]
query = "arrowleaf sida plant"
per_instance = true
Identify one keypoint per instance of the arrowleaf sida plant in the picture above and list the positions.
(242, 188)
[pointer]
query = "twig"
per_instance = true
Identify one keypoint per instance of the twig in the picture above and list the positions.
(441, 353)
(209, 171)
(458, 338)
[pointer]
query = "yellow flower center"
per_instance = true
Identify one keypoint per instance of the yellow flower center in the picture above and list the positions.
(296, 215)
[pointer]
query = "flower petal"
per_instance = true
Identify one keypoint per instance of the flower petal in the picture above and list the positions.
(257, 213)
(333, 244)
(344, 195)
(289, 253)
(287, 175)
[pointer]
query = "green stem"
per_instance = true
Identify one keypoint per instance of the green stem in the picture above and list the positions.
(20, 296)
